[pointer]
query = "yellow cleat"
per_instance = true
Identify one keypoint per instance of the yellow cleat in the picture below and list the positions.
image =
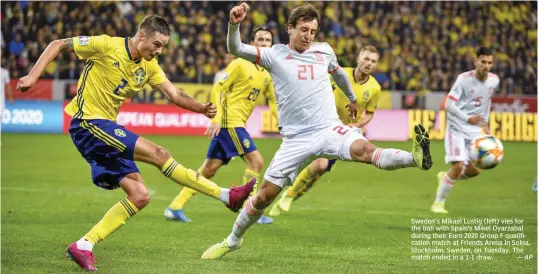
(440, 176)
(439, 208)
(421, 148)
(284, 204)
(275, 210)
(219, 250)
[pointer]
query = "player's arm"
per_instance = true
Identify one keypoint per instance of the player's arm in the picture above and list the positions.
(50, 53)
(215, 97)
(251, 53)
(453, 96)
(341, 80)
(370, 109)
(270, 95)
(183, 100)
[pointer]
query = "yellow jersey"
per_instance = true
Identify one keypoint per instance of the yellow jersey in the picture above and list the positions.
(109, 78)
(235, 93)
(367, 97)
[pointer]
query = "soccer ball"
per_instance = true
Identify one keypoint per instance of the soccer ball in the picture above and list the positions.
(486, 152)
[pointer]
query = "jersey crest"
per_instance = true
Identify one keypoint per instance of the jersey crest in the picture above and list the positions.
(319, 57)
(140, 75)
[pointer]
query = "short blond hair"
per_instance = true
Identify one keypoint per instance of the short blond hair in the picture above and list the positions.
(368, 48)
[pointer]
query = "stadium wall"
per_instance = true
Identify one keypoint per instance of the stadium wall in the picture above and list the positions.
(150, 112)
(387, 125)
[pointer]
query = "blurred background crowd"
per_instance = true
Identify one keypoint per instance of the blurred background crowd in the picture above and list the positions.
(423, 45)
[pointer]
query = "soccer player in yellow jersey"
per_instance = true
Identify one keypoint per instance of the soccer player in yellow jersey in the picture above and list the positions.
(235, 95)
(116, 69)
(367, 90)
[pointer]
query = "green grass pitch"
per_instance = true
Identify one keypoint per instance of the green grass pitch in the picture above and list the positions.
(356, 220)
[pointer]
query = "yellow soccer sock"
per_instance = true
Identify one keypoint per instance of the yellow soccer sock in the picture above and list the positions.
(184, 196)
(113, 219)
(302, 183)
(190, 178)
(249, 175)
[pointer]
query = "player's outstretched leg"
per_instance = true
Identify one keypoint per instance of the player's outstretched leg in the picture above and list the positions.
(175, 211)
(304, 181)
(389, 158)
(137, 198)
(254, 161)
(252, 211)
(446, 180)
(148, 152)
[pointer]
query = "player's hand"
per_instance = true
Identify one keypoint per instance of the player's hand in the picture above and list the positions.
(352, 107)
(212, 130)
(476, 120)
(210, 110)
(485, 128)
(25, 83)
(238, 13)
(11, 101)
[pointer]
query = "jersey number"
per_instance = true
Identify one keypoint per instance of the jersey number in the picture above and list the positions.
(254, 94)
(478, 101)
(340, 130)
(302, 73)
(120, 86)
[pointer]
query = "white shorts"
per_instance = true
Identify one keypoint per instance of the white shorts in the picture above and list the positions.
(296, 152)
(457, 145)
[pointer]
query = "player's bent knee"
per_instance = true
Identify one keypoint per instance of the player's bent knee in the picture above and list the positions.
(254, 161)
(161, 155)
(457, 167)
(319, 166)
(209, 171)
(362, 150)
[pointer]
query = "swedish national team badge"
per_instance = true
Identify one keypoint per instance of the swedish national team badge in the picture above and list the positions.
(365, 97)
(140, 75)
(246, 143)
(266, 82)
(119, 132)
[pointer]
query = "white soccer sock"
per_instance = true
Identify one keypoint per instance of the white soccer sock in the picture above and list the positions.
(245, 219)
(444, 188)
(224, 195)
(390, 159)
(84, 244)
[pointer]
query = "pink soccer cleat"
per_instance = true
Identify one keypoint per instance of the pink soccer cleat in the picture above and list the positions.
(83, 258)
(238, 195)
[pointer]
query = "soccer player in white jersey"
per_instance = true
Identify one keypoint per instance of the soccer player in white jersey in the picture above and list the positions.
(307, 116)
(5, 88)
(467, 113)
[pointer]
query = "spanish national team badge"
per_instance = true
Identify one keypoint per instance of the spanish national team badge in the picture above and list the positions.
(246, 143)
(83, 40)
(119, 132)
(140, 75)
(319, 57)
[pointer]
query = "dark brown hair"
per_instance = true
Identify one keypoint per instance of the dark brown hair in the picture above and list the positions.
(305, 12)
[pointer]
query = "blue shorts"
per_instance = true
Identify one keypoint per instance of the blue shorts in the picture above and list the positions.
(107, 147)
(229, 143)
(331, 164)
